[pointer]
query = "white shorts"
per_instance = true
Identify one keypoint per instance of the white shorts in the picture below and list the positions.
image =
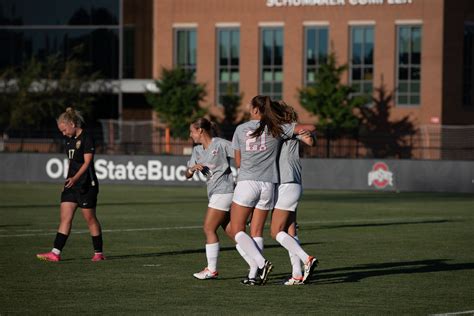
(287, 196)
(221, 201)
(257, 194)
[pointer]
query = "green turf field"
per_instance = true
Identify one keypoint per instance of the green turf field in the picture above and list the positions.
(380, 253)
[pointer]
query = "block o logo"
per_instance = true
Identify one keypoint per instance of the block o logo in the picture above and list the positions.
(380, 176)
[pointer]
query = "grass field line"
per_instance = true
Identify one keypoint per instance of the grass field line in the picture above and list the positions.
(406, 220)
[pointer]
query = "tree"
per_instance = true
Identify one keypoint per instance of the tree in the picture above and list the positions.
(331, 100)
(177, 101)
(35, 93)
(231, 103)
(385, 138)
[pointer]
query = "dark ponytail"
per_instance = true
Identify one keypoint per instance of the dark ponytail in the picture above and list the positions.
(268, 119)
(210, 127)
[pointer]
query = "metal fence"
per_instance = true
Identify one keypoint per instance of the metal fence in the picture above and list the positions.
(432, 142)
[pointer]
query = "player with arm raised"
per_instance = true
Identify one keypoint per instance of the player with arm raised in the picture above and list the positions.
(211, 157)
(288, 194)
(256, 144)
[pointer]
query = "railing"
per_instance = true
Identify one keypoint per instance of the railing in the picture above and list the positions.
(429, 142)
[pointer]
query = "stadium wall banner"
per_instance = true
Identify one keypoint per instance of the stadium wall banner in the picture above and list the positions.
(331, 174)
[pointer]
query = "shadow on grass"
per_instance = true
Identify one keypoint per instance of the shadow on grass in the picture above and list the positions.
(360, 272)
(17, 225)
(316, 226)
(157, 203)
(178, 252)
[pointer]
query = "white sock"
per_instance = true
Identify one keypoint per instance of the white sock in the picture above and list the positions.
(248, 246)
(297, 272)
(291, 245)
(252, 264)
(56, 251)
(212, 252)
(259, 242)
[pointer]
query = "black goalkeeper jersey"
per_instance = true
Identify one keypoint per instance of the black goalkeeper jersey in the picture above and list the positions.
(76, 147)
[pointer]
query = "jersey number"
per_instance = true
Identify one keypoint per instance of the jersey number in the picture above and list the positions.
(70, 153)
(251, 144)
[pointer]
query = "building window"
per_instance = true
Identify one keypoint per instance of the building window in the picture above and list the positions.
(98, 47)
(59, 12)
(129, 51)
(271, 62)
(185, 49)
(468, 66)
(84, 29)
(408, 65)
(361, 66)
(228, 56)
(316, 52)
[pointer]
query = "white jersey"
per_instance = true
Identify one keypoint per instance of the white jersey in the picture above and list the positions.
(259, 154)
(216, 158)
(289, 161)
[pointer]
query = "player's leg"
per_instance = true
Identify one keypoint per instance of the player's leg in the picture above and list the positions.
(88, 203)
(67, 210)
(246, 196)
(265, 200)
(238, 220)
(257, 226)
(238, 217)
(212, 221)
(297, 272)
(289, 195)
(243, 203)
(279, 225)
(259, 216)
(95, 229)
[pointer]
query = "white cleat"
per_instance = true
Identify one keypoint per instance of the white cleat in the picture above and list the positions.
(294, 281)
(309, 267)
(206, 274)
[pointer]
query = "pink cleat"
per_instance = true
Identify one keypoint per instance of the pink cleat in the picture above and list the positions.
(49, 256)
(98, 256)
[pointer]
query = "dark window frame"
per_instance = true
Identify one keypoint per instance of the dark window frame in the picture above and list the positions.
(306, 68)
(468, 66)
(230, 67)
(188, 65)
(272, 68)
(363, 66)
(409, 68)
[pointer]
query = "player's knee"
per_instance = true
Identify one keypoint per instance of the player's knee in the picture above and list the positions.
(274, 230)
(91, 220)
(235, 229)
(209, 230)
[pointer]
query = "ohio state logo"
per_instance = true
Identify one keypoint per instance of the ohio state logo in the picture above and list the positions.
(380, 176)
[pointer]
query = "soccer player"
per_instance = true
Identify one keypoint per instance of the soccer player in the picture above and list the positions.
(212, 158)
(288, 194)
(81, 187)
(256, 144)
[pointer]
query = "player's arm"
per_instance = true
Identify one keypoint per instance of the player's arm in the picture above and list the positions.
(189, 173)
(237, 158)
(87, 161)
(191, 170)
(307, 137)
(306, 127)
